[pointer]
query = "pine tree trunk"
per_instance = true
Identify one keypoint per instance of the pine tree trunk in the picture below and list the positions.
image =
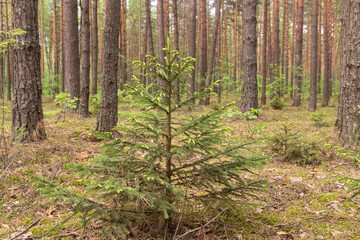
(348, 111)
(27, 113)
(250, 92)
(2, 66)
(264, 58)
(94, 47)
(123, 48)
(235, 42)
(327, 66)
(191, 21)
(71, 49)
(298, 54)
(56, 48)
(176, 42)
(293, 70)
(62, 46)
(107, 118)
(319, 51)
(276, 46)
(269, 36)
(213, 46)
(203, 46)
(314, 56)
(8, 54)
(85, 60)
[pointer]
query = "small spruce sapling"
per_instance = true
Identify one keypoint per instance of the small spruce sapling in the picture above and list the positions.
(161, 160)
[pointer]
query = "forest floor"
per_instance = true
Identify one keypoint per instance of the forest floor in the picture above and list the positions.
(300, 201)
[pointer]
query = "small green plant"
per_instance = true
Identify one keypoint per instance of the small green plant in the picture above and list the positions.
(95, 103)
(68, 104)
(290, 145)
(161, 161)
(277, 103)
(318, 119)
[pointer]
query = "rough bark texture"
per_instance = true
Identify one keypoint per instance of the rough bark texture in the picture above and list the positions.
(276, 44)
(203, 46)
(149, 28)
(56, 48)
(319, 51)
(27, 113)
(62, 46)
(2, 66)
(250, 93)
(298, 54)
(71, 49)
(192, 42)
(295, 7)
(123, 50)
(160, 25)
(264, 65)
(107, 118)
(176, 42)
(85, 60)
(8, 54)
(94, 48)
(314, 55)
(327, 66)
(348, 122)
(214, 39)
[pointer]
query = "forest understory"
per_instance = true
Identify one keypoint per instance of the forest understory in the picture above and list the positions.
(310, 201)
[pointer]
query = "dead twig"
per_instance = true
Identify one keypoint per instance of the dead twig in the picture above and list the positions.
(26, 229)
(339, 165)
(197, 229)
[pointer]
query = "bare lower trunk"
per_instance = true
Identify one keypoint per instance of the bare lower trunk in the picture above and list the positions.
(250, 92)
(107, 118)
(27, 113)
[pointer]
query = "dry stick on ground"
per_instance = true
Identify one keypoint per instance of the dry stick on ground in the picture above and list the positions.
(339, 165)
(197, 229)
(26, 229)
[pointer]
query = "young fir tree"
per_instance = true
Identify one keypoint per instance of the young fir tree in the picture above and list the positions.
(161, 159)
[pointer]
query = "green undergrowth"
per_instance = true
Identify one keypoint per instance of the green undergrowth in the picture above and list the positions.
(303, 201)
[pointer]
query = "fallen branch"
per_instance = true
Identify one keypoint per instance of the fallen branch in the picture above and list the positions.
(197, 229)
(26, 229)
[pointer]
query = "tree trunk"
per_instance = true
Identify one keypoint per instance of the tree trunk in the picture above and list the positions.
(161, 29)
(192, 43)
(85, 60)
(269, 36)
(123, 48)
(107, 118)
(235, 41)
(293, 71)
(298, 54)
(348, 111)
(71, 49)
(27, 113)
(176, 43)
(213, 46)
(2, 66)
(264, 60)
(203, 47)
(94, 47)
(56, 48)
(314, 56)
(250, 92)
(8, 54)
(319, 51)
(327, 66)
(276, 47)
(62, 46)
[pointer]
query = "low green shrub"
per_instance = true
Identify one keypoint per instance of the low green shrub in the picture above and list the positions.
(277, 103)
(319, 119)
(290, 145)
